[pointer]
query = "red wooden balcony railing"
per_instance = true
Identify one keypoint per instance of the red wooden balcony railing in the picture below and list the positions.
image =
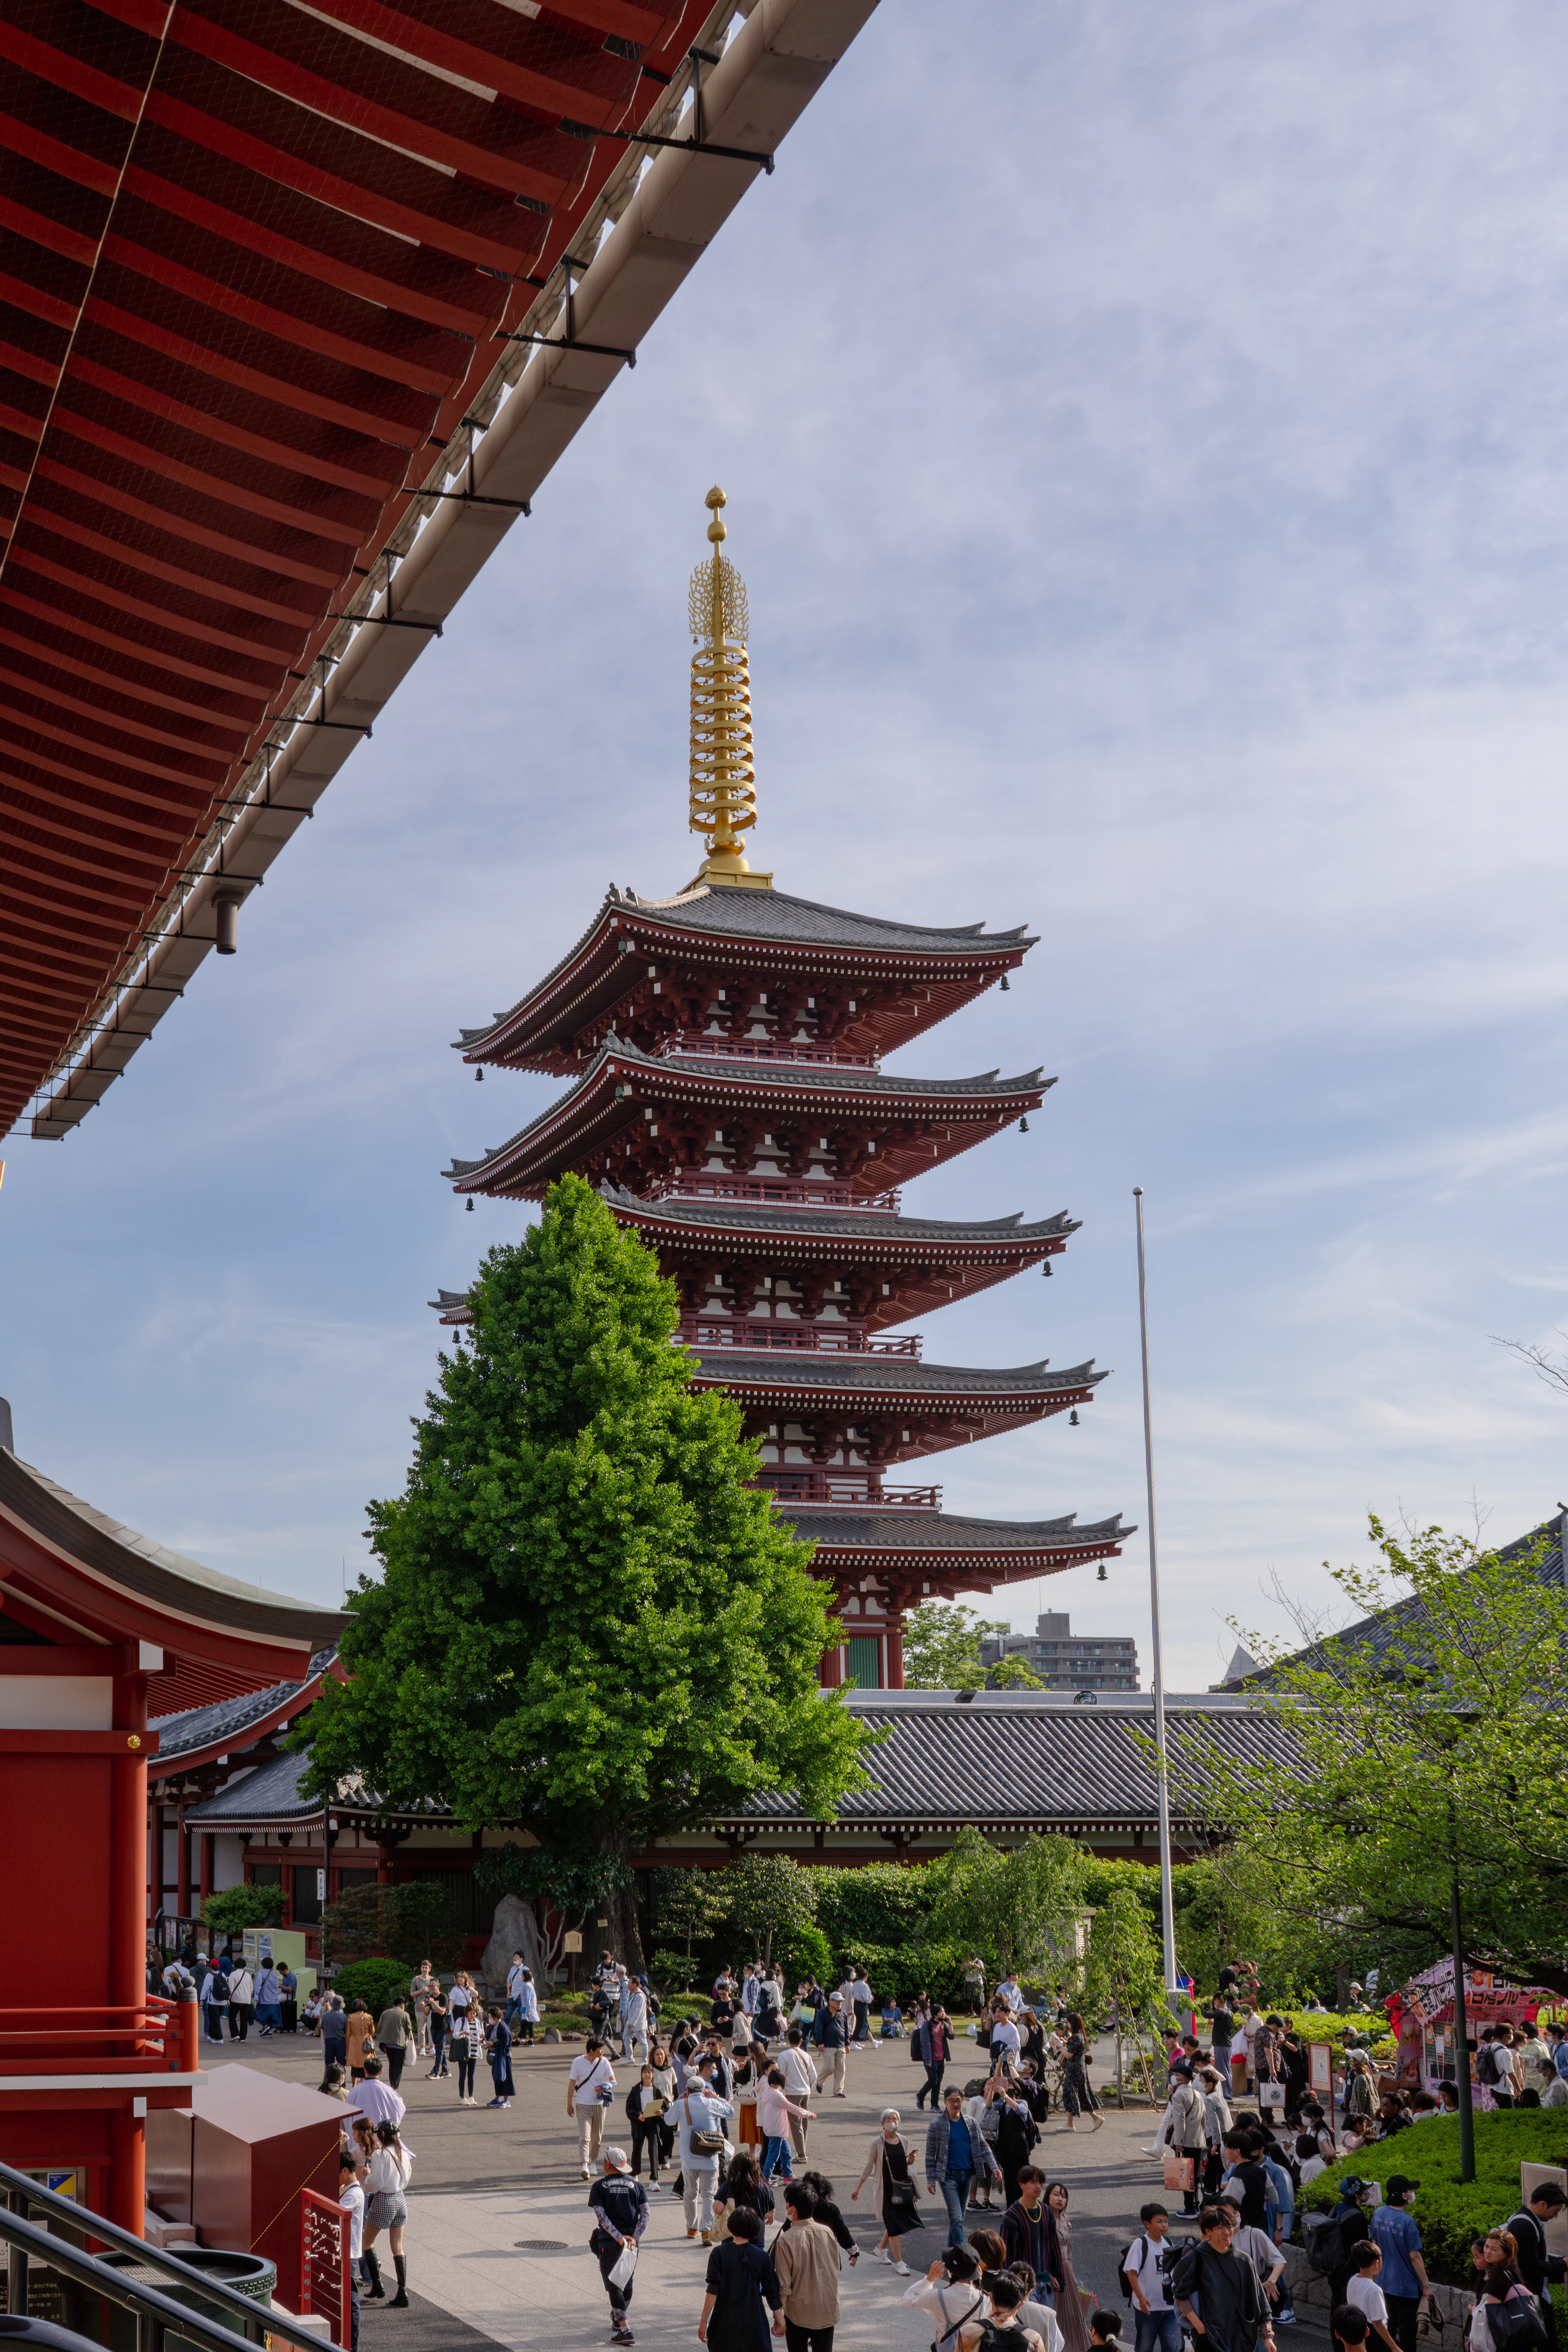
(843, 1488)
(760, 1049)
(773, 1193)
(814, 1339)
(148, 2037)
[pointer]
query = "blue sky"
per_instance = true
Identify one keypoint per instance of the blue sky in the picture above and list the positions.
(1144, 431)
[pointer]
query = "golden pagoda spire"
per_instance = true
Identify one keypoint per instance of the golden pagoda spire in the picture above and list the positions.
(723, 776)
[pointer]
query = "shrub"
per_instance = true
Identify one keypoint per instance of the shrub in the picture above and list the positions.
(802, 1952)
(909, 1968)
(378, 1983)
(238, 1908)
(1449, 2212)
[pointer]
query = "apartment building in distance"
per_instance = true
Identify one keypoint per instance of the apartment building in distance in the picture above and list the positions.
(1068, 1660)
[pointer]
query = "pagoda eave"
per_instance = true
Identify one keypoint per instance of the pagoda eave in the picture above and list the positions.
(906, 1558)
(551, 1028)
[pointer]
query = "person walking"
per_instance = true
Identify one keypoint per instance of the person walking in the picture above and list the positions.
(590, 2085)
(776, 2117)
(288, 1997)
(645, 2104)
(498, 2046)
(393, 2035)
(806, 2259)
(1538, 2266)
(1018, 2134)
(386, 2208)
(1224, 2288)
(359, 2036)
(860, 2005)
(422, 1984)
(269, 2000)
(1361, 2093)
(931, 2045)
(241, 1998)
(438, 2016)
(1078, 2098)
(701, 2117)
(1029, 2233)
(619, 2206)
(956, 2155)
(1156, 2326)
(888, 2161)
(333, 2025)
(527, 2003)
(214, 2003)
(799, 2074)
(1392, 2230)
(1188, 2129)
(375, 2099)
(468, 2040)
(831, 2036)
(634, 2020)
(1222, 2034)
(1217, 2121)
(663, 2070)
(951, 2296)
(351, 2196)
(1068, 2296)
(746, 2081)
(515, 1976)
(742, 2287)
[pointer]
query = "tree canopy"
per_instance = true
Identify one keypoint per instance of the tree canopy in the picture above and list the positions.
(1432, 1745)
(941, 1651)
(588, 1621)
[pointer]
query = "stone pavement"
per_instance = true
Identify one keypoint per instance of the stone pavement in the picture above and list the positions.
(498, 2219)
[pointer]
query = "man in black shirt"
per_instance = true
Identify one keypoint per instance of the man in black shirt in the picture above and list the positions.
(1536, 2266)
(619, 2206)
(1235, 2310)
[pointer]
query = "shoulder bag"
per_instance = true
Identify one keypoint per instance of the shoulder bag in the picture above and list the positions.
(703, 2142)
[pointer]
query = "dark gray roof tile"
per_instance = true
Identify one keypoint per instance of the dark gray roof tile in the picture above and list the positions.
(804, 1368)
(898, 1531)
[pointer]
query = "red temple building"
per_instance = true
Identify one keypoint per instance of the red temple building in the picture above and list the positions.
(103, 1633)
(724, 1053)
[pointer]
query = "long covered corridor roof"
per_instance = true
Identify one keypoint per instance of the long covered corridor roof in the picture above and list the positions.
(275, 281)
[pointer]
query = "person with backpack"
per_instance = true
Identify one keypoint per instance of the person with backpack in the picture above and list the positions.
(1144, 2274)
(931, 2044)
(1330, 2247)
(951, 2295)
(1003, 2331)
(1391, 2227)
(1539, 2269)
(1234, 2308)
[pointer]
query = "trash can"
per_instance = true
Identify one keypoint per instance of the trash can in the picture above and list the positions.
(15, 2328)
(251, 2275)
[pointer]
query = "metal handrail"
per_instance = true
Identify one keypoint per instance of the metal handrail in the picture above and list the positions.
(155, 2312)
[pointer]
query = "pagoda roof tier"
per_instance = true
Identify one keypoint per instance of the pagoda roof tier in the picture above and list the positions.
(648, 968)
(634, 1115)
(907, 1557)
(897, 1407)
(892, 1267)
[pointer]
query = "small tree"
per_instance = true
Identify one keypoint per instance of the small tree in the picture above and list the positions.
(236, 1909)
(1022, 1909)
(690, 1903)
(590, 1621)
(409, 1924)
(942, 1646)
(1013, 1673)
(1124, 1971)
(771, 1895)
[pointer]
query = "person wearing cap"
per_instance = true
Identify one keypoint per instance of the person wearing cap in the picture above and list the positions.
(1391, 2227)
(619, 2206)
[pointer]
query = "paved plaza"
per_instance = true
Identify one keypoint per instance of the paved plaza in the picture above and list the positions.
(498, 2221)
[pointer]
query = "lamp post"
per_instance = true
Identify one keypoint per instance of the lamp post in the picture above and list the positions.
(1167, 1912)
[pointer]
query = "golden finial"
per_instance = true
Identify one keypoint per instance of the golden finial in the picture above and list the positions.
(724, 777)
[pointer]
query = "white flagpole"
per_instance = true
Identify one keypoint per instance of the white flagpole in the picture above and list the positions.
(1166, 1911)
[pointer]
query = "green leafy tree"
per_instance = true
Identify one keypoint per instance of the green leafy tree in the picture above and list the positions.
(236, 1909)
(771, 1897)
(691, 1904)
(942, 1646)
(1430, 1754)
(1013, 1673)
(1020, 1910)
(588, 1621)
(1123, 1977)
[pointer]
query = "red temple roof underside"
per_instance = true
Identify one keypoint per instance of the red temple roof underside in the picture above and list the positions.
(259, 260)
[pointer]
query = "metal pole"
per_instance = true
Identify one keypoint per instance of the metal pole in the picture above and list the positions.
(1167, 1912)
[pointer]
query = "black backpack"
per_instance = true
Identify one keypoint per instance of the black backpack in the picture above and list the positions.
(1166, 2264)
(1329, 2247)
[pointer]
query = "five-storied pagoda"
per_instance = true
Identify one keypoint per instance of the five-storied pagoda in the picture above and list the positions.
(725, 1051)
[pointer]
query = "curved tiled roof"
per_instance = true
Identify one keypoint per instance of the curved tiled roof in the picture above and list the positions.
(1027, 1757)
(704, 1070)
(227, 1721)
(879, 1530)
(774, 915)
(892, 1376)
(872, 1226)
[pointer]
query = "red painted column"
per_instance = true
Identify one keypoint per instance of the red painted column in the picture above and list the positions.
(128, 1927)
(182, 1864)
(896, 1653)
(832, 1668)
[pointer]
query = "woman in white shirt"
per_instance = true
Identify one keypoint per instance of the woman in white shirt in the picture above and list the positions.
(951, 2295)
(386, 2208)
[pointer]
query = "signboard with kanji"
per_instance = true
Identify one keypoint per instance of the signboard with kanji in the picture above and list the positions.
(324, 2263)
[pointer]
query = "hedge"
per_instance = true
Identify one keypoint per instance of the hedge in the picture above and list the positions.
(1449, 2212)
(380, 1984)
